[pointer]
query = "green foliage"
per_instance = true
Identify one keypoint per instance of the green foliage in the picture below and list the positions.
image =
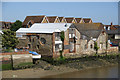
(8, 50)
(61, 56)
(6, 66)
(96, 47)
(62, 36)
(9, 40)
(15, 26)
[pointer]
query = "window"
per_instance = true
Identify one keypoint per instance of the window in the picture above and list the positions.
(37, 37)
(91, 46)
(38, 46)
(71, 35)
(43, 41)
(58, 47)
(29, 45)
(57, 36)
(117, 36)
(30, 24)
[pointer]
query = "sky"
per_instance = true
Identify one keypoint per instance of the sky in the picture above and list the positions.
(104, 12)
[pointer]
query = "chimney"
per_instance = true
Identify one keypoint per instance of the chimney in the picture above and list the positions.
(111, 23)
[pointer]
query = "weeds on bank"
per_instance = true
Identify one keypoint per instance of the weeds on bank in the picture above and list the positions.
(96, 57)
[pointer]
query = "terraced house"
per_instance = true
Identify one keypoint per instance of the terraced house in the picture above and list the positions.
(30, 20)
(62, 20)
(87, 20)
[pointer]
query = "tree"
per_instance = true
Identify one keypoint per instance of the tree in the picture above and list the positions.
(62, 36)
(15, 26)
(9, 40)
(96, 47)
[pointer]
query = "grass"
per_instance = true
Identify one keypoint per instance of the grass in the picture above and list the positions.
(6, 66)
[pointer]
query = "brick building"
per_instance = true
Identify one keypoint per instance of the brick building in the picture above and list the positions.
(44, 38)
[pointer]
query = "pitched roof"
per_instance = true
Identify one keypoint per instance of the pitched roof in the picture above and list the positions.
(88, 26)
(69, 20)
(88, 29)
(45, 28)
(51, 19)
(36, 19)
(86, 20)
(78, 19)
(91, 33)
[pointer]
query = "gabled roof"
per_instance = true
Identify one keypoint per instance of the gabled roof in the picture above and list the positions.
(86, 20)
(45, 28)
(88, 29)
(69, 19)
(78, 20)
(51, 19)
(35, 19)
(60, 18)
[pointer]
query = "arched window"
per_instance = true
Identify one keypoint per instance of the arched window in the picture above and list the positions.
(91, 46)
(43, 41)
(30, 23)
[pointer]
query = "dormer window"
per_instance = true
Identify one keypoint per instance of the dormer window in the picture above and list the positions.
(30, 24)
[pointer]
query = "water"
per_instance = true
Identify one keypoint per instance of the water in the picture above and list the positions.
(101, 72)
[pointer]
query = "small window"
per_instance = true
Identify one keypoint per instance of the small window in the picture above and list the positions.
(43, 41)
(56, 47)
(37, 37)
(29, 45)
(38, 46)
(30, 24)
(91, 46)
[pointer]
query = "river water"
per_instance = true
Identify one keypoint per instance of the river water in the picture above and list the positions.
(101, 72)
